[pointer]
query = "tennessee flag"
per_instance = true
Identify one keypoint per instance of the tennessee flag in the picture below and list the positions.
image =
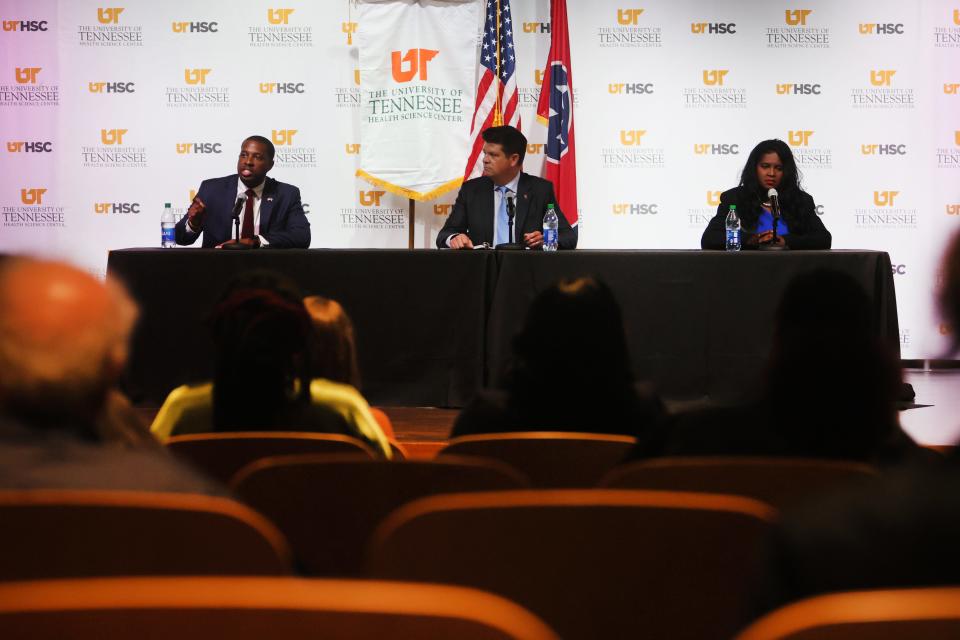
(555, 111)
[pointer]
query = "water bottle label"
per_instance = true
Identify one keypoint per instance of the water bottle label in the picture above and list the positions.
(549, 236)
(168, 235)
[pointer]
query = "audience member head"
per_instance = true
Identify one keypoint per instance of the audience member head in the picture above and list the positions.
(63, 343)
(573, 339)
(832, 377)
(262, 354)
(335, 350)
(949, 293)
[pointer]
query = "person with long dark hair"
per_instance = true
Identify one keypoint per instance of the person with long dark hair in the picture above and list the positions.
(770, 166)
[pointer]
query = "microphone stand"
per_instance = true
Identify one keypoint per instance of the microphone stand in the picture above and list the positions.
(511, 213)
(237, 245)
(775, 212)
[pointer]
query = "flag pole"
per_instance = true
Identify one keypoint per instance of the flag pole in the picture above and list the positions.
(497, 110)
(412, 219)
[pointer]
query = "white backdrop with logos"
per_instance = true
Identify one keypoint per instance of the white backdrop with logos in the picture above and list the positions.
(110, 110)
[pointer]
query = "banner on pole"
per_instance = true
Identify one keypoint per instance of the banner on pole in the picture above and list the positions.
(417, 70)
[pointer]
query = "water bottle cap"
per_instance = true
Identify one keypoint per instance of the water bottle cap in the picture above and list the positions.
(166, 205)
(549, 206)
(733, 207)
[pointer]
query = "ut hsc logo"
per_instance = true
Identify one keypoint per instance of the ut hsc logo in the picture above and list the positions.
(713, 27)
(884, 198)
(109, 15)
(27, 75)
(798, 89)
(953, 209)
(630, 88)
(103, 208)
(279, 16)
(714, 77)
(281, 87)
(883, 149)
(632, 137)
(29, 147)
(535, 149)
(442, 209)
(716, 149)
(951, 89)
(32, 196)
(880, 29)
(283, 137)
(195, 76)
(198, 147)
(112, 136)
(628, 17)
(899, 269)
(881, 77)
(416, 61)
(370, 198)
(111, 87)
(195, 27)
(24, 25)
(797, 17)
(799, 138)
(536, 27)
(634, 209)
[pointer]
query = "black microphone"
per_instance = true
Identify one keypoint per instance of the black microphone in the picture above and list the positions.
(238, 207)
(511, 212)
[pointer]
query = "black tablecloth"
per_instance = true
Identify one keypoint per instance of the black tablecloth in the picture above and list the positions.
(434, 326)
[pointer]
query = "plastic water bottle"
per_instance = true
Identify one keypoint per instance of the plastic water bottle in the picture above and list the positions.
(168, 228)
(550, 233)
(733, 229)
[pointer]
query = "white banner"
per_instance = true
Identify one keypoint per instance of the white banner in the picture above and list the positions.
(417, 65)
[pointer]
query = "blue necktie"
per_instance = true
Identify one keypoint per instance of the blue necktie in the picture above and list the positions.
(501, 230)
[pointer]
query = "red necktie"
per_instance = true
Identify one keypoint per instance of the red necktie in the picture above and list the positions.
(246, 229)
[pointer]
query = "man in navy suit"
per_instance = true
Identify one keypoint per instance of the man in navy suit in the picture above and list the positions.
(480, 213)
(271, 213)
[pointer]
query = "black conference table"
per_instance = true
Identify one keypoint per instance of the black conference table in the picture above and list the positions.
(434, 326)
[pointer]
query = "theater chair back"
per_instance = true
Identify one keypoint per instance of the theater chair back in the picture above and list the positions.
(591, 563)
(54, 533)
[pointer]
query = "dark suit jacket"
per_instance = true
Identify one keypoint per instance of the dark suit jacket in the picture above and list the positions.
(473, 212)
(806, 229)
(282, 220)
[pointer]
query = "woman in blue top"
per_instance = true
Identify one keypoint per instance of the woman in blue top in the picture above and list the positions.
(770, 166)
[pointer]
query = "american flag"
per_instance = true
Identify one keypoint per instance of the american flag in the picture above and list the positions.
(497, 91)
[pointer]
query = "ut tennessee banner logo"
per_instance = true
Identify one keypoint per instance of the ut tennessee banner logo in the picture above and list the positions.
(416, 60)
(195, 76)
(713, 198)
(631, 138)
(628, 16)
(27, 75)
(109, 15)
(799, 138)
(884, 198)
(32, 196)
(371, 198)
(279, 16)
(112, 136)
(881, 77)
(797, 17)
(713, 77)
(283, 137)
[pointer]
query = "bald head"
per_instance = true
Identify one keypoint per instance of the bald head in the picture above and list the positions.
(63, 337)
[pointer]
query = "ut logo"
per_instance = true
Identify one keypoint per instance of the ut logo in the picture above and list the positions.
(956, 17)
(441, 209)
(953, 209)
(195, 76)
(867, 27)
(881, 77)
(349, 28)
(109, 16)
(32, 196)
(183, 148)
(951, 89)
(714, 76)
(956, 138)
(628, 16)
(283, 137)
(193, 194)
(267, 87)
(700, 149)
(631, 137)
(619, 209)
(713, 198)
(537, 77)
(417, 60)
(797, 17)
(278, 16)
(356, 77)
(112, 136)
(352, 149)
(29, 147)
(101, 207)
(869, 149)
(534, 148)
(534, 27)
(368, 198)
(28, 75)
(799, 138)
(884, 198)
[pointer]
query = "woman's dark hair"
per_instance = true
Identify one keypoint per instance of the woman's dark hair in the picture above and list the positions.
(788, 191)
(262, 357)
(334, 347)
(571, 355)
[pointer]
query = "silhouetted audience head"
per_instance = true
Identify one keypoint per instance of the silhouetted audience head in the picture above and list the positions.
(335, 349)
(831, 383)
(63, 343)
(262, 339)
(571, 360)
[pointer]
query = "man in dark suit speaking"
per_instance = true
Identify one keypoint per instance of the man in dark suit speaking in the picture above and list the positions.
(271, 213)
(480, 212)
